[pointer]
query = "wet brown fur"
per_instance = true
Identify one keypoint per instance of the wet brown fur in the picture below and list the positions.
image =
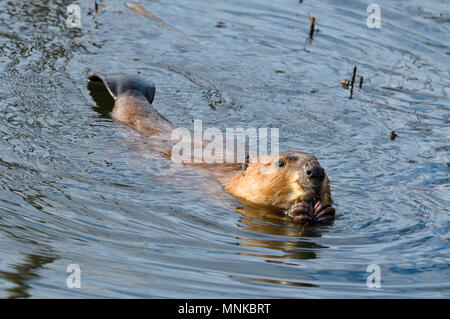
(263, 182)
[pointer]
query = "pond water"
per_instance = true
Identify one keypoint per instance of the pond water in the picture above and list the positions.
(78, 188)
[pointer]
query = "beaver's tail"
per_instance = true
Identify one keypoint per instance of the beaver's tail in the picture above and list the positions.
(120, 84)
(129, 98)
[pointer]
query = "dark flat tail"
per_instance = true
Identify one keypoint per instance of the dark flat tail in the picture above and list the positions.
(119, 84)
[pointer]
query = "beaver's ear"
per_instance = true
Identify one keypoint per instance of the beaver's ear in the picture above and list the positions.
(245, 164)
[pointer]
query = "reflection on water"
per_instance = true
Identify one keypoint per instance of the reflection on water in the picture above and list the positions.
(278, 282)
(76, 185)
(23, 273)
(296, 246)
(104, 103)
(299, 249)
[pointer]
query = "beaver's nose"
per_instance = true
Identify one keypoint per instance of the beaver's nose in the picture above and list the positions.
(314, 171)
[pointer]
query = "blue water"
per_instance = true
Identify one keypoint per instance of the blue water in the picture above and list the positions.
(78, 188)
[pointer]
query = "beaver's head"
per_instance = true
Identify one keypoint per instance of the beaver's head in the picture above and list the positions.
(283, 181)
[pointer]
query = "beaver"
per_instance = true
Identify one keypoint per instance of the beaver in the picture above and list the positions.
(291, 183)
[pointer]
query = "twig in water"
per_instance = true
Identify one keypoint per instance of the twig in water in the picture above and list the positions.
(93, 12)
(353, 82)
(345, 84)
(311, 28)
(144, 12)
(361, 79)
(393, 135)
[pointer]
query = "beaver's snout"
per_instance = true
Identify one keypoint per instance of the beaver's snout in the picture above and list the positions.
(314, 172)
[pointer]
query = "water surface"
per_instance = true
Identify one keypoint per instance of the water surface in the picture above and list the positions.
(76, 187)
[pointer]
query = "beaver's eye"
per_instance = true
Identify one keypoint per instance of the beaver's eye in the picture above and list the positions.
(281, 163)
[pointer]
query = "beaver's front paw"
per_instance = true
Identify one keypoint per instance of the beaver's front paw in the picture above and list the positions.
(323, 212)
(301, 212)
